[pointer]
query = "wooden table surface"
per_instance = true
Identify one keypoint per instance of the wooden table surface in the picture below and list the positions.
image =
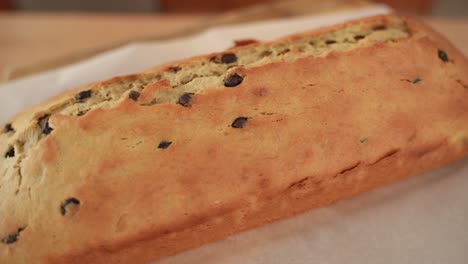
(27, 39)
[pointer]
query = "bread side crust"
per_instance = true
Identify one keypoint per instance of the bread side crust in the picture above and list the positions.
(300, 197)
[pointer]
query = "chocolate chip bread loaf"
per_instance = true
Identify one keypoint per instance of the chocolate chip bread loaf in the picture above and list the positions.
(144, 166)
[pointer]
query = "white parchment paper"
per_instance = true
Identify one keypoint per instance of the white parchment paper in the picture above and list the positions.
(423, 219)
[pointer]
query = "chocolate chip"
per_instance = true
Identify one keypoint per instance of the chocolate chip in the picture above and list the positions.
(8, 128)
(416, 80)
(134, 95)
(164, 144)
(228, 58)
(10, 153)
(329, 42)
(379, 27)
(185, 99)
(266, 53)
(174, 69)
(12, 238)
(215, 59)
(68, 204)
(358, 37)
(83, 95)
(284, 51)
(443, 56)
(233, 80)
(43, 122)
(239, 122)
(46, 129)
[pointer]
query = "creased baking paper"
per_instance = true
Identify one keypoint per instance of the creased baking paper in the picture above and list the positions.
(423, 219)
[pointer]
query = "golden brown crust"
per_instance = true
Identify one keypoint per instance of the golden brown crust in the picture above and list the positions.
(318, 129)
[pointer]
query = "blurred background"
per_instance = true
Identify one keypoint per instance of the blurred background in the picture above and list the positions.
(38, 35)
(432, 7)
